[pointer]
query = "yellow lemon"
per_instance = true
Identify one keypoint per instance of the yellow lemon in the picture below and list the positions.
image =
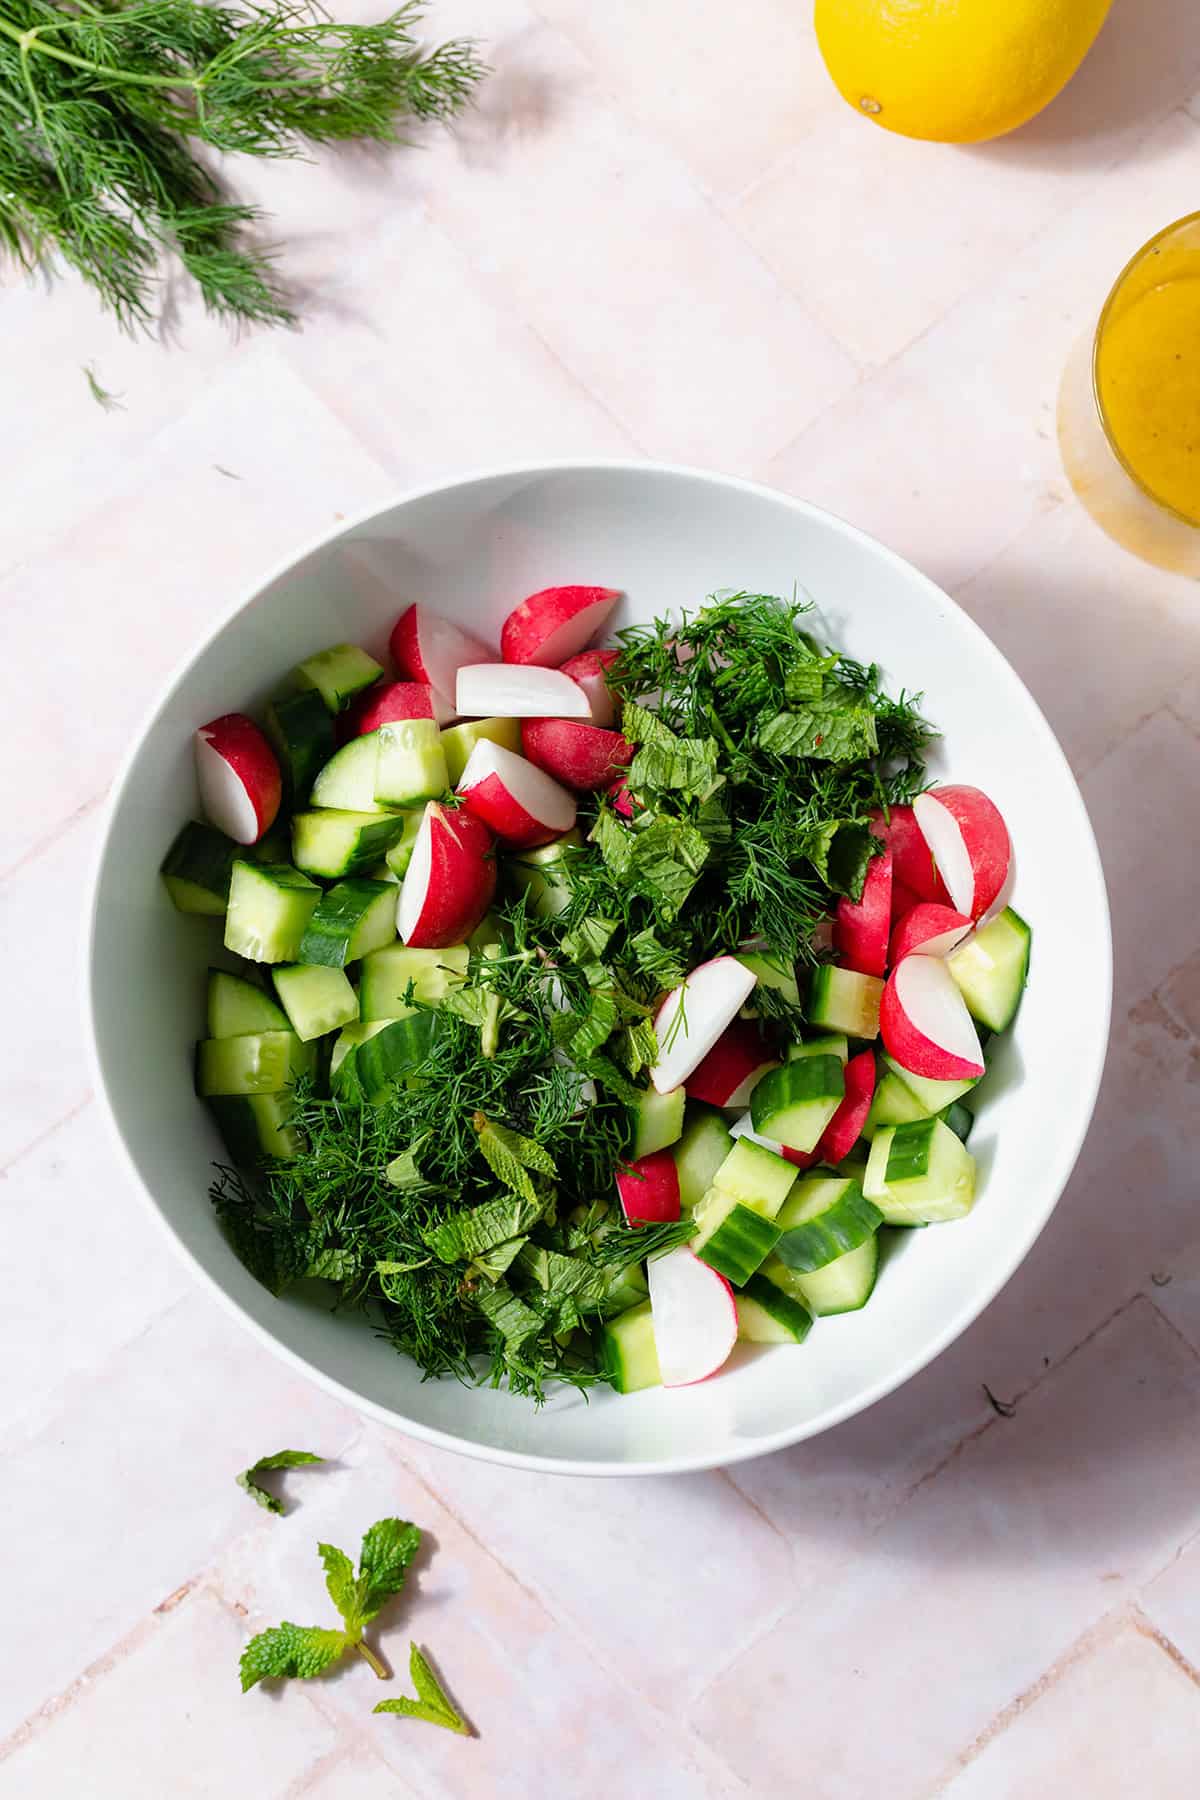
(958, 71)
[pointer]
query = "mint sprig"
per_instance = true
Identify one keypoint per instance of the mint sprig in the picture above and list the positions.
(280, 1459)
(432, 1703)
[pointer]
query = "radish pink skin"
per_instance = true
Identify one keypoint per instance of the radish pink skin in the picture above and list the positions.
(742, 991)
(384, 704)
(589, 669)
(491, 801)
(238, 741)
(555, 623)
(903, 898)
(623, 802)
(729, 1294)
(912, 1049)
(649, 1189)
(737, 1055)
(462, 880)
(582, 756)
(912, 865)
(985, 838)
(845, 1128)
(405, 646)
(923, 924)
(860, 932)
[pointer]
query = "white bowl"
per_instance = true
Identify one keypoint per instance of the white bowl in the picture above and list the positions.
(667, 537)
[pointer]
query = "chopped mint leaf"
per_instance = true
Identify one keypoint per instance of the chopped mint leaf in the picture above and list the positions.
(641, 726)
(280, 1459)
(465, 1234)
(806, 680)
(597, 1028)
(839, 727)
(509, 1315)
(432, 1703)
(561, 1277)
(589, 940)
(665, 863)
(684, 766)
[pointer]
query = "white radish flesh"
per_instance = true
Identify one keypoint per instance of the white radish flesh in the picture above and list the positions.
(693, 1016)
(694, 1315)
(502, 690)
(520, 803)
(928, 1029)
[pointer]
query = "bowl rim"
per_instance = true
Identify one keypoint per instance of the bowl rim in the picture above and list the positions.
(1087, 1082)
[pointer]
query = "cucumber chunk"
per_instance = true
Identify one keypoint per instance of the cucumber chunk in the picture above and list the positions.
(256, 1127)
(833, 1043)
(352, 919)
(893, 1103)
(960, 1119)
(334, 843)
(401, 852)
(263, 1062)
(458, 741)
(301, 730)
(396, 1053)
(756, 1176)
(387, 974)
(991, 969)
(733, 1238)
(237, 1007)
(768, 1315)
(315, 999)
(920, 1174)
(780, 977)
(269, 906)
(932, 1096)
(347, 780)
(795, 1103)
(411, 766)
(627, 1287)
(823, 1218)
(842, 1286)
(541, 876)
(337, 674)
(197, 868)
(843, 1000)
(347, 1040)
(628, 1352)
(658, 1121)
(703, 1147)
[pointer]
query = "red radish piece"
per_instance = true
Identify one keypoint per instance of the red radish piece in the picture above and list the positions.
(969, 842)
(693, 1016)
(450, 881)
(623, 802)
(928, 930)
(649, 1189)
(803, 1159)
(860, 930)
(499, 691)
(518, 802)
(912, 864)
(588, 669)
(845, 1128)
(584, 756)
(240, 785)
(925, 1025)
(426, 647)
(727, 1075)
(384, 704)
(695, 1318)
(556, 623)
(903, 898)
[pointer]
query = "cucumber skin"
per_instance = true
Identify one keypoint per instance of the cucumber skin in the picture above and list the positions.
(628, 1355)
(361, 838)
(819, 1287)
(739, 1244)
(237, 1008)
(843, 1226)
(337, 920)
(300, 727)
(791, 1318)
(198, 868)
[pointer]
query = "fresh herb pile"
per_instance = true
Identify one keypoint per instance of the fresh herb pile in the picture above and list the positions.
(107, 106)
(472, 1209)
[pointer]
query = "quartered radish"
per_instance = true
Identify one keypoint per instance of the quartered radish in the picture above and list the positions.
(450, 881)
(649, 1189)
(903, 898)
(385, 704)
(726, 1076)
(520, 804)
(925, 1024)
(928, 930)
(584, 756)
(912, 864)
(969, 842)
(498, 690)
(553, 624)
(695, 1318)
(588, 669)
(845, 1128)
(240, 783)
(693, 1016)
(860, 928)
(426, 647)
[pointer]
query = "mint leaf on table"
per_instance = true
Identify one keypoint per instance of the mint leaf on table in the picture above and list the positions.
(290, 1650)
(432, 1704)
(383, 1564)
(281, 1459)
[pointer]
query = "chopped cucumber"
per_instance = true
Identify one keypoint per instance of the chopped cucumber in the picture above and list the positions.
(412, 764)
(822, 1218)
(703, 1147)
(842, 1286)
(485, 934)
(833, 1043)
(316, 999)
(347, 1040)
(334, 843)
(197, 868)
(401, 852)
(337, 674)
(842, 1000)
(269, 906)
(256, 1127)
(756, 1176)
(539, 875)
(349, 921)
(237, 1007)
(732, 1238)
(387, 974)
(458, 741)
(658, 1121)
(768, 1315)
(347, 780)
(960, 1119)
(991, 969)
(893, 1103)
(795, 1103)
(301, 730)
(628, 1352)
(397, 1053)
(627, 1287)
(920, 1174)
(781, 977)
(933, 1096)
(262, 1062)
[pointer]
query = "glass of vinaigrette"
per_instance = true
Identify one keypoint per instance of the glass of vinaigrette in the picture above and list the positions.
(1129, 407)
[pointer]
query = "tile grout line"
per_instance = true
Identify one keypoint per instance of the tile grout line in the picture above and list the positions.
(47, 1133)
(1148, 1629)
(1172, 1327)
(55, 836)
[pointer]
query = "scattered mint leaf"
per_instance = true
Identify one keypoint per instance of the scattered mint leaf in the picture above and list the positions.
(432, 1703)
(287, 1650)
(280, 1459)
(339, 1578)
(468, 1233)
(388, 1549)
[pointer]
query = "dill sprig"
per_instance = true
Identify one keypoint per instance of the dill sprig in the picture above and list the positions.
(103, 101)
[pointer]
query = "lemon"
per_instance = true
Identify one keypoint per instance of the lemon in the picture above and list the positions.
(958, 71)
